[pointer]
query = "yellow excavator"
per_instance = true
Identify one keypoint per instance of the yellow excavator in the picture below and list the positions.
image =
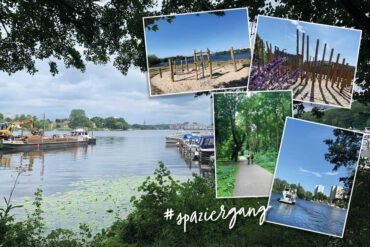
(6, 129)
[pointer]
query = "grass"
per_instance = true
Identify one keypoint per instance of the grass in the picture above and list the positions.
(266, 160)
(226, 176)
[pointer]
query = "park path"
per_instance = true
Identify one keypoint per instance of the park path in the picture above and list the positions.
(252, 180)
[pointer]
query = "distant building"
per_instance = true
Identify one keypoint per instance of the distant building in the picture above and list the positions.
(190, 126)
(336, 192)
(318, 188)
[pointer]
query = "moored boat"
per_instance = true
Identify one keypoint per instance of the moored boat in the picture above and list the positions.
(83, 133)
(42, 143)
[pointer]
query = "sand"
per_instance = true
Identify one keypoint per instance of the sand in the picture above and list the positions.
(223, 77)
(322, 93)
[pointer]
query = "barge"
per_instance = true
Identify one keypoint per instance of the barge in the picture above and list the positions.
(42, 143)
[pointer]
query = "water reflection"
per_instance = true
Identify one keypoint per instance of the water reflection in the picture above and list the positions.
(117, 154)
(308, 215)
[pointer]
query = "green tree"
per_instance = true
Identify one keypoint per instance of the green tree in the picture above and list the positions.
(79, 119)
(308, 195)
(279, 185)
(1, 117)
(153, 60)
(99, 122)
(301, 193)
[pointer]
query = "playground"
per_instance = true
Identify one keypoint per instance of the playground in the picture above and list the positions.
(317, 71)
(197, 52)
(199, 73)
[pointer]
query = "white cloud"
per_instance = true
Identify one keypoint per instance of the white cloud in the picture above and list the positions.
(102, 91)
(316, 174)
(298, 26)
(331, 173)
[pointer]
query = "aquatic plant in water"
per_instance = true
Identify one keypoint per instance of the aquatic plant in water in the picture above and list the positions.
(271, 77)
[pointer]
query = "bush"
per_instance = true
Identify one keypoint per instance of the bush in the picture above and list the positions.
(226, 176)
(266, 160)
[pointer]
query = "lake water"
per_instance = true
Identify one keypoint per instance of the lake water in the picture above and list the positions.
(115, 166)
(308, 215)
(214, 57)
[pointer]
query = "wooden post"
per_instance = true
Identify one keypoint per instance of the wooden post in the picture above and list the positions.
(263, 54)
(268, 52)
(328, 71)
(160, 72)
(232, 57)
(196, 65)
(170, 60)
(315, 61)
(302, 58)
(322, 62)
(297, 58)
(187, 65)
(340, 72)
(308, 58)
(202, 62)
(182, 66)
(272, 55)
(209, 63)
(335, 68)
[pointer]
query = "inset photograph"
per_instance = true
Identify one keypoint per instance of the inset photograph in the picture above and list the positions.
(314, 177)
(248, 130)
(317, 62)
(198, 51)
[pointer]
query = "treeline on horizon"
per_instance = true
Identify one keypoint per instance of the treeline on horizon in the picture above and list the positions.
(154, 60)
(358, 117)
(280, 184)
(78, 118)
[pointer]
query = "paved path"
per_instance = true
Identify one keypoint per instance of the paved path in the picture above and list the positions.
(252, 180)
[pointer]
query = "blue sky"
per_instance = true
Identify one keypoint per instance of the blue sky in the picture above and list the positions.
(282, 33)
(301, 158)
(189, 32)
(102, 91)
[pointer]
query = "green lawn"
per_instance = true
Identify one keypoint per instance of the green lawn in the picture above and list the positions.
(266, 160)
(226, 176)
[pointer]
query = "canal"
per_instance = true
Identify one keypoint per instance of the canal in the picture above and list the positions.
(90, 184)
(308, 215)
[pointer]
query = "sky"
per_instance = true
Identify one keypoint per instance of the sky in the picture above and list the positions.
(301, 160)
(101, 91)
(191, 31)
(282, 33)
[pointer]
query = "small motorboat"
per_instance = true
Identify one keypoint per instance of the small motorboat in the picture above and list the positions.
(288, 196)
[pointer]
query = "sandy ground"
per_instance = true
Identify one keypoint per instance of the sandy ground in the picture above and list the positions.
(223, 77)
(321, 92)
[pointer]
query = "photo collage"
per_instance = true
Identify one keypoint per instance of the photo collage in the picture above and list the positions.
(259, 75)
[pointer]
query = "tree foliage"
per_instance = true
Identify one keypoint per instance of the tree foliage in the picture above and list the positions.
(253, 122)
(80, 31)
(358, 117)
(344, 150)
(78, 118)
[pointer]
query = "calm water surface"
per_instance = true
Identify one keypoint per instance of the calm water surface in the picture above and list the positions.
(117, 154)
(308, 215)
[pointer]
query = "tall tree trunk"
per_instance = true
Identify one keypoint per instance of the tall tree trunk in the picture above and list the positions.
(277, 130)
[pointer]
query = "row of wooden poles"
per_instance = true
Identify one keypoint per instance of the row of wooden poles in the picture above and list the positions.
(311, 68)
(199, 64)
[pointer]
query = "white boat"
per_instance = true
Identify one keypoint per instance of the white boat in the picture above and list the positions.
(82, 133)
(288, 196)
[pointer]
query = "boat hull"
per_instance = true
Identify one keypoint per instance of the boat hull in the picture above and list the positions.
(14, 147)
(287, 201)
